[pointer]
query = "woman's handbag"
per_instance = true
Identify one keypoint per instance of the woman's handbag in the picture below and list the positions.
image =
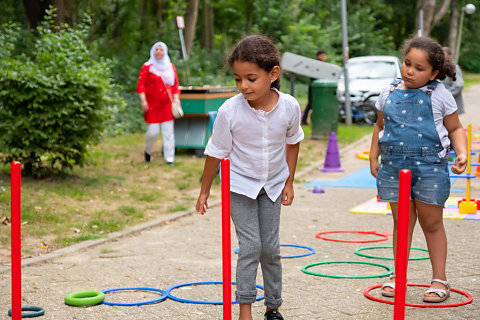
(177, 110)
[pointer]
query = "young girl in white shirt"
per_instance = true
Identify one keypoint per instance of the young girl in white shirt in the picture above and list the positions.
(259, 131)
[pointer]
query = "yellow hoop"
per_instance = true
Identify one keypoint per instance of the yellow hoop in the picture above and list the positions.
(365, 155)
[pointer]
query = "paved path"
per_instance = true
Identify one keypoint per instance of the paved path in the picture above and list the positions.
(188, 249)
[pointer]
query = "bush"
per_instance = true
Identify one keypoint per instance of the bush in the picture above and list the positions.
(55, 100)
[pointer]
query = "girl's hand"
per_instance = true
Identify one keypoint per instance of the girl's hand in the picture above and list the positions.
(374, 166)
(460, 164)
(287, 195)
(144, 106)
(202, 204)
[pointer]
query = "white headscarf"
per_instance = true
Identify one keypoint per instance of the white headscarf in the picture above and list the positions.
(163, 67)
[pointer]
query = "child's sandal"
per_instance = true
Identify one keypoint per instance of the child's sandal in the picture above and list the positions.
(389, 294)
(442, 295)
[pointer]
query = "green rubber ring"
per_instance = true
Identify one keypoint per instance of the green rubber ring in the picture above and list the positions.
(390, 270)
(387, 258)
(84, 298)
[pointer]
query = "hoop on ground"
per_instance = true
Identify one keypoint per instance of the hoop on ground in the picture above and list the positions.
(84, 298)
(384, 237)
(389, 270)
(364, 155)
(357, 251)
(162, 297)
(169, 290)
(311, 251)
(367, 294)
(37, 312)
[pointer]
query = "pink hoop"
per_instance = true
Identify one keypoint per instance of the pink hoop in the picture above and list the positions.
(367, 294)
(385, 237)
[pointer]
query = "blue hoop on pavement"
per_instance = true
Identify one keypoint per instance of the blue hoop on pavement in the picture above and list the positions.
(169, 289)
(312, 251)
(163, 297)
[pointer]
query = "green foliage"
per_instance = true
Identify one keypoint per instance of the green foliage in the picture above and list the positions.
(54, 100)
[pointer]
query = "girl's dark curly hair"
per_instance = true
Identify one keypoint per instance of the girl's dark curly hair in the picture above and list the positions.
(258, 49)
(435, 55)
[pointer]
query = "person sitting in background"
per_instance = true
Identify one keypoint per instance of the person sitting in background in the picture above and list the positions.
(455, 87)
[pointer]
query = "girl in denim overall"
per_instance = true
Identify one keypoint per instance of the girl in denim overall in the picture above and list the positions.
(417, 124)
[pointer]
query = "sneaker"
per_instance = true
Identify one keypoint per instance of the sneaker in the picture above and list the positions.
(147, 157)
(171, 164)
(273, 315)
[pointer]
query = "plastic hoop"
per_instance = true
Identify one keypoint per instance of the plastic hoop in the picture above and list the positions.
(357, 251)
(200, 301)
(364, 155)
(312, 251)
(84, 298)
(37, 312)
(367, 294)
(390, 270)
(384, 237)
(163, 297)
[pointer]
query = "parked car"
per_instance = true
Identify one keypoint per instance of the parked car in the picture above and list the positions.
(367, 75)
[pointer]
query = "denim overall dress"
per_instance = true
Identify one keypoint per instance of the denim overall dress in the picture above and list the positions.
(410, 141)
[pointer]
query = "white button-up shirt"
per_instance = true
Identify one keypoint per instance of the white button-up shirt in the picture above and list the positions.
(255, 140)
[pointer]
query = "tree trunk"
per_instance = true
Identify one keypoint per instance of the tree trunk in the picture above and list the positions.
(190, 24)
(431, 14)
(63, 13)
(452, 34)
(207, 30)
(35, 10)
(248, 15)
(159, 12)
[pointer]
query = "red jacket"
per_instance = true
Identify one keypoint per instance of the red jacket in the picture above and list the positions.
(159, 103)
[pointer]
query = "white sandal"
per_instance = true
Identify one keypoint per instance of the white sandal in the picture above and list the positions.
(442, 295)
(390, 294)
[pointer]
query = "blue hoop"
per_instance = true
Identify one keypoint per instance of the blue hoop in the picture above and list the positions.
(163, 297)
(312, 251)
(169, 289)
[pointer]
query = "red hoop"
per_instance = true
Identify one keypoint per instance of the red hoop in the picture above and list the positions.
(384, 237)
(367, 294)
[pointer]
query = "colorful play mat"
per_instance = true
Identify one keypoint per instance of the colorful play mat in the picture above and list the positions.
(450, 211)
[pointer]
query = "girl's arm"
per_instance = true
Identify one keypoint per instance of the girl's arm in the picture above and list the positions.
(457, 136)
(291, 151)
(209, 171)
(374, 149)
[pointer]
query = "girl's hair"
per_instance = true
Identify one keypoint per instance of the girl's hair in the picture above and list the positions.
(435, 55)
(258, 49)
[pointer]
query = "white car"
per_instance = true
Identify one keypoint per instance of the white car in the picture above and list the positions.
(367, 75)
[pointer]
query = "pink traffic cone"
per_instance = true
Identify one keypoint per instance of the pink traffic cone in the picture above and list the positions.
(332, 158)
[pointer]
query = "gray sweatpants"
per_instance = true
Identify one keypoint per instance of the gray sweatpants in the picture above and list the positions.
(257, 223)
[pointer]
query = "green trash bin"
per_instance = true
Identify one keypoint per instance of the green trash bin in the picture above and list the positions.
(324, 109)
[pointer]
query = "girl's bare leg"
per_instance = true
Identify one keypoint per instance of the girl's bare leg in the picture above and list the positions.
(411, 227)
(430, 218)
(245, 311)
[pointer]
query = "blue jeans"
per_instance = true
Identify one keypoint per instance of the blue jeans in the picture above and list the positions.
(257, 224)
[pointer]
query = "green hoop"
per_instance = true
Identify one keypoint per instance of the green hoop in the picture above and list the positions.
(357, 251)
(84, 298)
(390, 270)
(37, 312)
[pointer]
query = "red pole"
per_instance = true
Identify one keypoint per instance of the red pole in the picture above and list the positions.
(226, 246)
(401, 259)
(15, 178)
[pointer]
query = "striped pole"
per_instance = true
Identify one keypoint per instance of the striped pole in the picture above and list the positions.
(226, 246)
(16, 243)
(401, 259)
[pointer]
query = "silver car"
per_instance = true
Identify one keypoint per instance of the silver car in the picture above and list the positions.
(367, 75)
